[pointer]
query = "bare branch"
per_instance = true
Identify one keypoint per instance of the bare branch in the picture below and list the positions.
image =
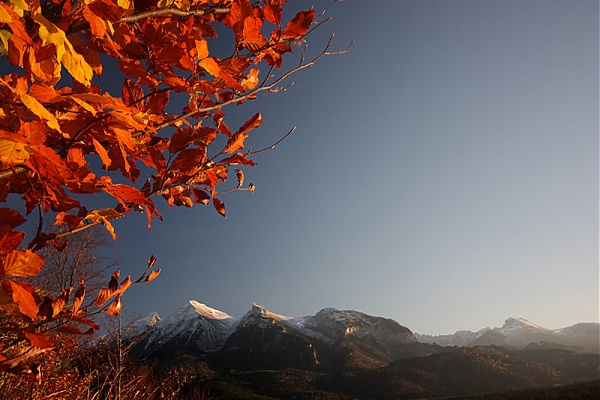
(271, 147)
(172, 11)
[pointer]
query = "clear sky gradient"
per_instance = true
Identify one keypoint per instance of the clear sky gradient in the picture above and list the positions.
(444, 174)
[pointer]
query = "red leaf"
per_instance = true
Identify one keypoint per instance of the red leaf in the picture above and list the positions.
(107, 9)
(200, 196)
(237, 159)
(158, 101)
(10, 240)
(299, 25)
(252, 123)
(132, 68)
(219, 206)
(39, 340)
(23, 295)
(10, 218)
(62, 218)
(126, 195)
(273, 13)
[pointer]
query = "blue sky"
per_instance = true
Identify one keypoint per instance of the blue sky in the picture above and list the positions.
(444, 173)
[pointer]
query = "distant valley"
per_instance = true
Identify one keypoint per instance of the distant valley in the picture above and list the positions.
(345, 354)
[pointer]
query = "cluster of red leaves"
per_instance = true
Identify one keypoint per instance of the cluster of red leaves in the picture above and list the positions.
(54, 120)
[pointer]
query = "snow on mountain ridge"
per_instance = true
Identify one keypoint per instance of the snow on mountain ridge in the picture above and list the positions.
(208, 312)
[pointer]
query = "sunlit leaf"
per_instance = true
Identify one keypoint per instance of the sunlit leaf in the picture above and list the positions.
(74, 62)
(115, 307)
(236, 142)
(39, 110)
(240, 177)
(152, 275)
(23, 295)
(299, 25)
(211, 66)
(219, 206)
(22, 263)
(39, 340)
(12, 153)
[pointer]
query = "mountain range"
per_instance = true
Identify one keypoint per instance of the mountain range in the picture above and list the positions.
(349, 354)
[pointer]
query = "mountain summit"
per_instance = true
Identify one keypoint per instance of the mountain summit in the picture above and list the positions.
(519, 333)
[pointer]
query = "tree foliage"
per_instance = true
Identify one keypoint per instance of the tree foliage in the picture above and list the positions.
(57, 123)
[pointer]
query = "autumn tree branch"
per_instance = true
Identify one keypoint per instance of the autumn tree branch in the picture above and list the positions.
(172, 11)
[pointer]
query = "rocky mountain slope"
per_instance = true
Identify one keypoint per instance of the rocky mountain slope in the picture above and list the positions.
(345, 354)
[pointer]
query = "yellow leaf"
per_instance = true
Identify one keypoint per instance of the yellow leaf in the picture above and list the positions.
(19, 6)
(74, 62)
(38, 109)
(13, 153)
(103, 215)
(5, 16)
(4, 35)
(210, 65)
(125, 4)
(84, 105)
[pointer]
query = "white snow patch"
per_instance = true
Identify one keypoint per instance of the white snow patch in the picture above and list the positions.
(208, 312)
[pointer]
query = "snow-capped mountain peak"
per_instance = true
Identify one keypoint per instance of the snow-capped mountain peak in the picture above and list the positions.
(208, 312)
(520, 323)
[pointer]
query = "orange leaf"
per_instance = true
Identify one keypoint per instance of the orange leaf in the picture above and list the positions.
(211, 66)
(126, 195)
(62, 218)
(13, 152)
(22, 263)
(97, 24)
(240, 177)
(252, 123)
(273, 13)
(39, 340)
(106, 160)
(152, 275)
(219, 206)
(23, 295)
(299, 25)
(39, 110)
(103, 295)
(79, 296)
(251, 81)
(236, 142)
(115, 307)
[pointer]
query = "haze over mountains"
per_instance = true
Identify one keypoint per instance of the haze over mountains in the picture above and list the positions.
(346, 354)
(208, 329)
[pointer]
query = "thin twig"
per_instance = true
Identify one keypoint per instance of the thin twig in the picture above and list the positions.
(172, 11)
(271, 147)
